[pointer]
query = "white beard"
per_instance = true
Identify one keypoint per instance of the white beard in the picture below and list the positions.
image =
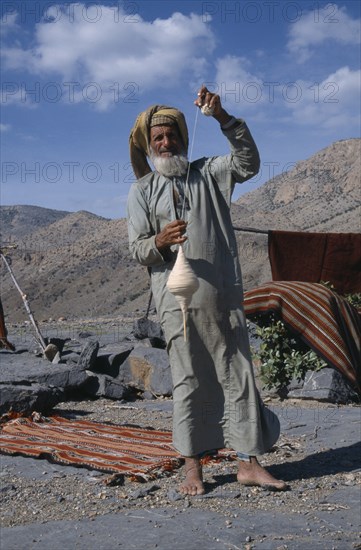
(177, 165)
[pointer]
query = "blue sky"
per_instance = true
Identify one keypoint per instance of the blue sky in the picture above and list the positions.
(75, 76)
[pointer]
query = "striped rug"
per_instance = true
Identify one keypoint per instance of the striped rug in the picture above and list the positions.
(141, 453)
(324, 320)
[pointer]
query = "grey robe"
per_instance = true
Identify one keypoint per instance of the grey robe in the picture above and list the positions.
(216, 403)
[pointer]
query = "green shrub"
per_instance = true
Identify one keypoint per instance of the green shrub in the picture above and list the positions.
(282, 355)
(354, 300)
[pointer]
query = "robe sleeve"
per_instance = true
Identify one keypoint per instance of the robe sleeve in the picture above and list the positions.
(140, 230)
(242, 163)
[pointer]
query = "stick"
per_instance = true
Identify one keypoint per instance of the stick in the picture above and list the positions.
(184, 326)
(26, 304)
(251, 230)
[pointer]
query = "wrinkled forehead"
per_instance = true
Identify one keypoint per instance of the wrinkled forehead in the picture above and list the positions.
(164, 130)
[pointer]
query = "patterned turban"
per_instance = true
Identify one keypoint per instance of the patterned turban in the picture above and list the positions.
(139, 136)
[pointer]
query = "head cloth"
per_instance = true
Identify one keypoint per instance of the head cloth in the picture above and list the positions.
(139, 136)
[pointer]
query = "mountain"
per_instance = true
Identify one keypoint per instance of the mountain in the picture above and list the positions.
(19, 221)
(77, 265)
(321, 194)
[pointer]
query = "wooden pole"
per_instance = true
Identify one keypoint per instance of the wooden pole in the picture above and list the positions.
(26, 303)
(251, 230)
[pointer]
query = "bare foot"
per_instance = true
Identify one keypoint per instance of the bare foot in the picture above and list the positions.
(252, 473)
(193, 483)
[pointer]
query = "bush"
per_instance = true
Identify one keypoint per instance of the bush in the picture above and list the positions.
(354, 300)
(282, 356)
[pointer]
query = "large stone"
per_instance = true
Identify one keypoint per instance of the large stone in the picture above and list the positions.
(147, 369)
(25, 369)
(326, 385)
(88, 355)
(146, 328)
(28, 398)
(110, 363)
(32, 370)
(102, 385)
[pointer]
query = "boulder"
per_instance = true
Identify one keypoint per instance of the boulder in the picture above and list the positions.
(327, 385)
(147, 369)
(88, 355)
(145, 328)
(28, 398)
(102, 385)
(30, 383)
(110, 363)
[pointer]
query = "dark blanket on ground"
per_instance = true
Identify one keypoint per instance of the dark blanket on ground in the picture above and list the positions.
(324, 320)
(316, 257)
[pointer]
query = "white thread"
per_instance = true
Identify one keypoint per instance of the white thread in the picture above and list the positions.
(189, 164)
(182, 281)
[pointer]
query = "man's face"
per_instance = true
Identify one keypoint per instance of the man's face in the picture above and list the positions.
(166, 141)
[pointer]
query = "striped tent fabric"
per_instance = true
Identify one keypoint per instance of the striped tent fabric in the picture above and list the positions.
(325, 321)
(141, 453)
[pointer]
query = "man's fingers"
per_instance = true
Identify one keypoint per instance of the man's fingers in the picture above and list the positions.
(202, 96)
(214, 101)
(208, 99)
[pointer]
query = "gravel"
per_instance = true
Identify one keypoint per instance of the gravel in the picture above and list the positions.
(317, 454)
(36, 490)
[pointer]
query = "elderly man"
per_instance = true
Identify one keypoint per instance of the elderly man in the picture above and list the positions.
(216, 403)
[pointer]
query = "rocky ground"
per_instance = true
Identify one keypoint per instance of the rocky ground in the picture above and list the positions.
(321, 468)
(51, 506)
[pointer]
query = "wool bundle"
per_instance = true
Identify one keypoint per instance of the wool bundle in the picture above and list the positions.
(207, 110)
(182, 283)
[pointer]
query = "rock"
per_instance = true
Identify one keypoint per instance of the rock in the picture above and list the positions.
(58, 342)
(147, 369)
(50, 352)
(29, 398)
(57, 358)
(88, 355)
(145, 328)
(143, 491)
(148, 395)
(146, 342)
(327, 385)
(102, 385)
(71, 357)
(111, 363)
(26, 371)
(173, 495)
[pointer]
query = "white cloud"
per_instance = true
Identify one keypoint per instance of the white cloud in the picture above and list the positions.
(8, 23)
(316, 27)
(13, 93)
(332, 104)
(5, 127)
(113, 50)
(329, 105)
(235, 84)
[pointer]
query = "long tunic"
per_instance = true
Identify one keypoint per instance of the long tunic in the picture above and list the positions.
(216, 402)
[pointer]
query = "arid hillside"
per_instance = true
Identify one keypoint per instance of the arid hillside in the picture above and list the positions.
(77, 265)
